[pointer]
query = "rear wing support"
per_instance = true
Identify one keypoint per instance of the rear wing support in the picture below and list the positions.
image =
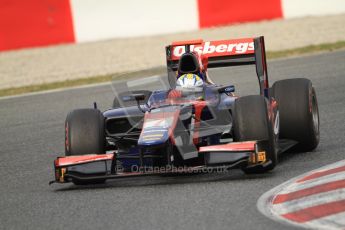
(261, 65)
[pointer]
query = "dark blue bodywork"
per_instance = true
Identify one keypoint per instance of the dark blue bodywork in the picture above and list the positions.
(131, 142)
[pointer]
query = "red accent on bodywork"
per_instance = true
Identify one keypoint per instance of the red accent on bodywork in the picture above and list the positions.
(272, 109)
(174, 98)
(216, 48)
(274, 103)
(198, 106)
(66, 136)
(204, 61)
(224, 12)
(174, 94)
(231, 147)
(162, 116)
(72, 160)
(188, 42)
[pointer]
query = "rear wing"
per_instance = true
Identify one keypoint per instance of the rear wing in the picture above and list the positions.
(224, 53)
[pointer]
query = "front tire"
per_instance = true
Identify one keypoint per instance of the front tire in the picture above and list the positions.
(84, 134)
(251, 122)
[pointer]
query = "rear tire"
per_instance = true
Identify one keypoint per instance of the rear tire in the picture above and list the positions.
(298, 110)
(251, 122)
(84, 134)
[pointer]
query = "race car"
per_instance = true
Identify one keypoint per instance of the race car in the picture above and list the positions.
(195, 125)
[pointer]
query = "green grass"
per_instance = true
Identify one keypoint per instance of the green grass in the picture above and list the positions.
(54, 85)
(328, 47)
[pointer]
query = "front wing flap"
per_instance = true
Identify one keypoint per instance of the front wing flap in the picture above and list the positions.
(253, 151)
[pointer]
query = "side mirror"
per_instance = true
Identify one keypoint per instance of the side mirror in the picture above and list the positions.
(133, 97)
(139, 97)
(226, 89)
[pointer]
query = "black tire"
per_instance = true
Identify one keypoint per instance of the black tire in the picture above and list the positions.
(251, 122)
(298, 111)
(118, 104)
(84, 132)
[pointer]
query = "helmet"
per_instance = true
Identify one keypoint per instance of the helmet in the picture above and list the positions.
(190, 82)
(188, 63)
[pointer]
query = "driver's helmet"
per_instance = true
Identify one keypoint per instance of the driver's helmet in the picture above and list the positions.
(190, 82)
(189, 64)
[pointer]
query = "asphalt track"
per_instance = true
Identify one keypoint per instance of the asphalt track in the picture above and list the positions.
(32, 135)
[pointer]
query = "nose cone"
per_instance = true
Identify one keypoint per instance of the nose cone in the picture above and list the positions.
(153, 137)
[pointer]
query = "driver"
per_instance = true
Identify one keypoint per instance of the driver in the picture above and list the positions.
(188, 83)
(191, 82)
(190, 63)
(191, 75)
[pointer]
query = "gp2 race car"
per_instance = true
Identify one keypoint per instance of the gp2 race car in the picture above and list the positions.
(195, 130)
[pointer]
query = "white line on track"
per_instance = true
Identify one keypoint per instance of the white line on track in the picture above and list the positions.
(57, 90)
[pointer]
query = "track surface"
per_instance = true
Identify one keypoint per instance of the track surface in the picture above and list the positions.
(31, 131)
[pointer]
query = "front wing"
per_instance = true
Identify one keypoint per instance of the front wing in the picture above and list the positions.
(104, 166)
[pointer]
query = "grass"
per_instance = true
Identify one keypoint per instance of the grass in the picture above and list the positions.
(53, 85)
(328, 47)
